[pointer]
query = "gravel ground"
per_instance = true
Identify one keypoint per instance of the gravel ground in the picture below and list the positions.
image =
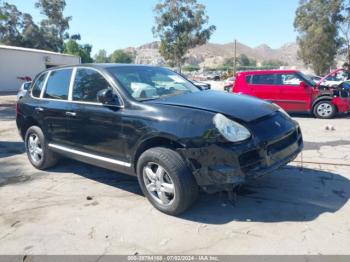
(75, 208)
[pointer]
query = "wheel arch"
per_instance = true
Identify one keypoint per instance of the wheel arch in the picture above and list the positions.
(156, 141)
(27, 123)
(321, 98)
(327, 99)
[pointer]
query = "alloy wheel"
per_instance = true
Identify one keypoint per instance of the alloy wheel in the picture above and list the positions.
(35, 148)
(324, 109)
(159, 184)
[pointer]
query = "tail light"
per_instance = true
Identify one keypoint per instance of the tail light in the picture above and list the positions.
(17, 110)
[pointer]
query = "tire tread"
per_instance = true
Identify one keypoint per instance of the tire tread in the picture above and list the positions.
(176, 165)
(50, 158)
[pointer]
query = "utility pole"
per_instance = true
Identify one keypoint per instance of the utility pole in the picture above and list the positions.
(235, 58)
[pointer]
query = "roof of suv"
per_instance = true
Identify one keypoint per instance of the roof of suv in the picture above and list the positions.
(271, 71)
(100, 65)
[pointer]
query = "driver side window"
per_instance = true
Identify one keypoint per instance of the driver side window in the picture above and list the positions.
(87, 84)
(291, 80)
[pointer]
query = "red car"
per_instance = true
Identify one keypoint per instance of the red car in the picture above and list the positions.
(294, 91)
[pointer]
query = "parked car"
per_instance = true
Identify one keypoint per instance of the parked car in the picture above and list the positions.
(332, 80)
(201, 85)
(153, 123)
(229, 83)
(293, 91)
(214, 77)
(23, 90)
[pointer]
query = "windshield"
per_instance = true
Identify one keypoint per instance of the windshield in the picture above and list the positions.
(145, 83)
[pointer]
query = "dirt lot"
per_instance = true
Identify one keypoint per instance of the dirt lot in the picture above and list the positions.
(292, 211)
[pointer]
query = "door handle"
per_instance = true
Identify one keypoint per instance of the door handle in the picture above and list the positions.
(39, 109)
(71, 114)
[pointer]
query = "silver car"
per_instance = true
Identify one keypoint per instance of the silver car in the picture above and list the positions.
(23, 90)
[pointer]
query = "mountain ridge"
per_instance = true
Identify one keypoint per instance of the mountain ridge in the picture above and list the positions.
(214, 54)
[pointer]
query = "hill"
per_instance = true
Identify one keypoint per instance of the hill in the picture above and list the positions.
(213, 55)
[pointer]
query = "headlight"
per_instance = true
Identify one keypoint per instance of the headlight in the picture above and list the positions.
(281, 110)
(231, 130)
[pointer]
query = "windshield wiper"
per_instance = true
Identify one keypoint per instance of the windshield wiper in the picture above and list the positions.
(147, 99)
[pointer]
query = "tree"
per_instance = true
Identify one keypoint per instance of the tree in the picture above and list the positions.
(84, 51)
(317, 24)
(252, 62)
(54, 27)
(243, 60)
(344, 29)
(180, 26)
(31, 34)
(191, 68)
(2, 14)
(19, 29)
(10, 25)
(101, 56)
(120, 56)
(228, 63)
(273, 63)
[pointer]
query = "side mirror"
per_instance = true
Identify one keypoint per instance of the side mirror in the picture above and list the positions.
(107, 97)
(303, 85)
(202, 87)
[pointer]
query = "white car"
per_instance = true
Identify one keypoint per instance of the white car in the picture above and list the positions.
(333, 81)
(229, 83)
(23, 90)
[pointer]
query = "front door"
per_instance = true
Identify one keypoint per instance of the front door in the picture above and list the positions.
(294, 96)
(93, 127)
(265, 86)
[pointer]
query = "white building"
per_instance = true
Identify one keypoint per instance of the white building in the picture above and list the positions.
(18, 62)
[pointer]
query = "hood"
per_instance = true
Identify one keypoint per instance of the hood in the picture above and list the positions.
(330, 74)
(240, 107)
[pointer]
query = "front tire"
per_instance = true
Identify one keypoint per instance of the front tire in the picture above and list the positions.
(166, 180)
(324, 110)
(39, 155)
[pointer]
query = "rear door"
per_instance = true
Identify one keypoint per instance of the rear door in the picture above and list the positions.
(265, 86)
(54, 105)
(294, 97)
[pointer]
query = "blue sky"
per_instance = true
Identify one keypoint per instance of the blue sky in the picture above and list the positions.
(113, 24)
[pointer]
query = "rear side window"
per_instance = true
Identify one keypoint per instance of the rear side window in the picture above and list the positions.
(248, 79)
(87, 84)
(269, 79)
(38, 85)
(58, 84)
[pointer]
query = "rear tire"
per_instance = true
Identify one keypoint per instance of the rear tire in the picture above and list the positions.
(324, 110)
(38, 152)
(166, 180)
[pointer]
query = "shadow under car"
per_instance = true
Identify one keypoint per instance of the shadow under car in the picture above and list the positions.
(288, 194)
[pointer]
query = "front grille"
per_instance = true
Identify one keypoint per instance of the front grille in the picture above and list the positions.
(249, 160)
(268, 130)
(283, 143)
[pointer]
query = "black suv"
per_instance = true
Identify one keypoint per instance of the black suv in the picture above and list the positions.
(153, 123)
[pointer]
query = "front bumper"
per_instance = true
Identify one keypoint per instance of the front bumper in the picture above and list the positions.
(342, 104)
(219, 167)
